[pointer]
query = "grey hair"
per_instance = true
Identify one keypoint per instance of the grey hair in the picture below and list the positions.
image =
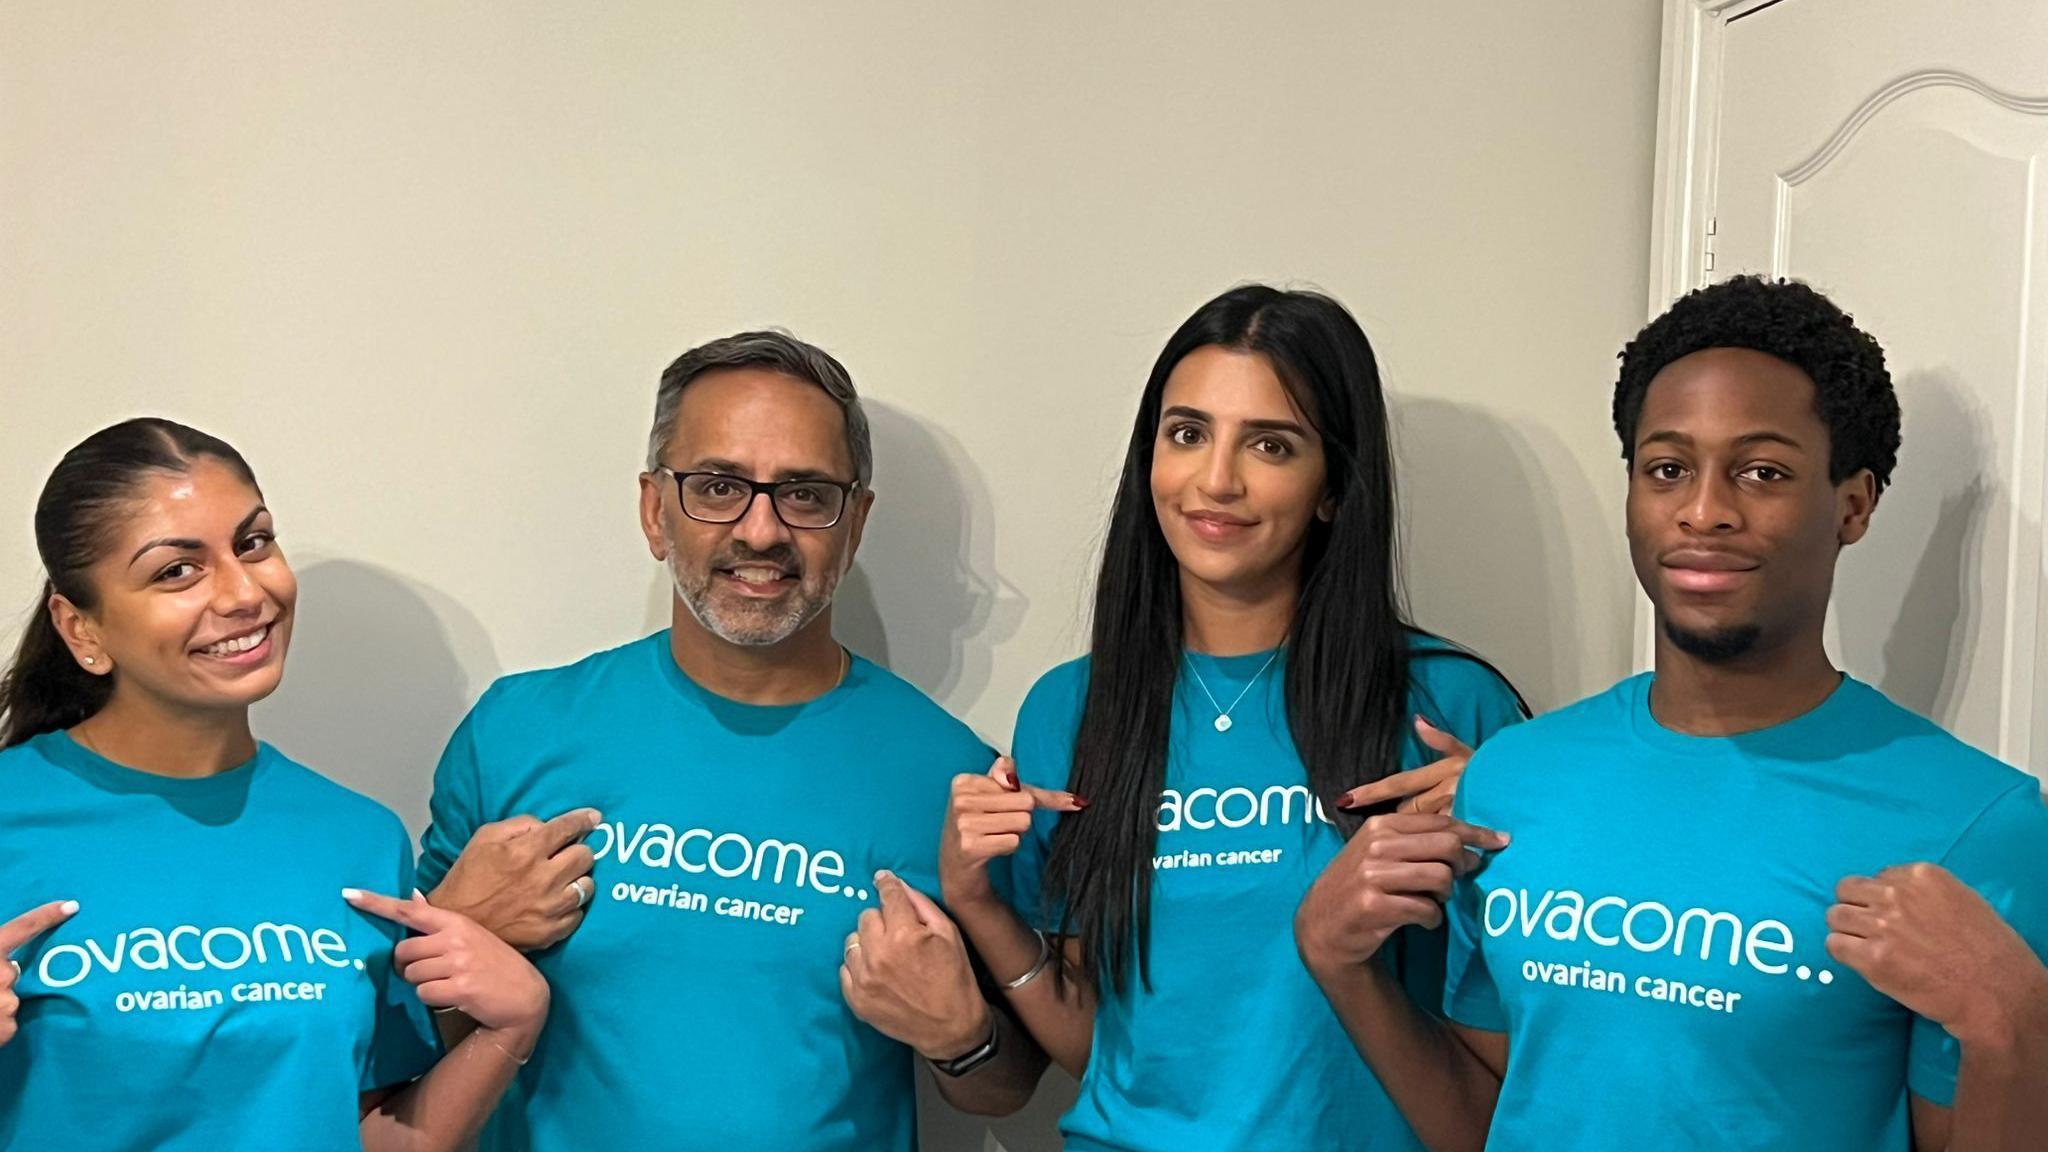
(777, 351)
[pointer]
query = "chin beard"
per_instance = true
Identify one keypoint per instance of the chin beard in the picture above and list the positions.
(1716, 647)
(752, 626)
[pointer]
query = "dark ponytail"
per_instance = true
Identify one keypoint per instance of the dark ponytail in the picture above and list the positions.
(44, 688)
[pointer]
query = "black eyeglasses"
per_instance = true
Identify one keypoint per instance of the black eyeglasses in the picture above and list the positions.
(721, 498)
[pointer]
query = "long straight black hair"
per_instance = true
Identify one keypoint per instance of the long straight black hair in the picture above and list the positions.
(1347, 651)
(43, 688)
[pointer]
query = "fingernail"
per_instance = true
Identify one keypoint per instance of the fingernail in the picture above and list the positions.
(1079, 803)
(351, 893)
(69, 907)
(1347, 803)
(418, 895)
(596, 817)
(884, 874)
(1010, 777)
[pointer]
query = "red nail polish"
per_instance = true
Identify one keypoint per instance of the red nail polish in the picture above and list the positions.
(1079, 803)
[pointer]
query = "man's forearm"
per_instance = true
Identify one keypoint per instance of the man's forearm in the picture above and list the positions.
(1443, 1088)
(1006, 1082)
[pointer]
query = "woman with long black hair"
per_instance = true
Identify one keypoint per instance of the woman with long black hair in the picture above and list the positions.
(1252, 685)
(199, 966)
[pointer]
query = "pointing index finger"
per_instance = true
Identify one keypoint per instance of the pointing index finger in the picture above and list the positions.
(1398, 785)
(416, 914)
(569, 827)
(894, 895)
(1440, 740)
(1053, 800)
(1478, 836)
(34, 923)
(1004, 772)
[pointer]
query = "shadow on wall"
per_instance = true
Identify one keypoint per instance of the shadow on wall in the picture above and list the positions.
(1488, 509)
(379, 674)
(1034, 1129)
(1929, 523)
(923, 598)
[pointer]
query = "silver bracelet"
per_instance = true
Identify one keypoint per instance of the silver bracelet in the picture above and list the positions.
(508, 1052)
(1044, 957)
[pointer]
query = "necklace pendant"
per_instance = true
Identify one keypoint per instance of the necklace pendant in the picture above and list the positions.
(1223, 723)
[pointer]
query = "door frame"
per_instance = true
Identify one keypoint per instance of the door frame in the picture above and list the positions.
(1682, 196)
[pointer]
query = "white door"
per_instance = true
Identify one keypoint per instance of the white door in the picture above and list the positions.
(1891, 153)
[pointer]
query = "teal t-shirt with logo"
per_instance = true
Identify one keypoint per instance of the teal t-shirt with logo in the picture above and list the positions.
(213, 991)
(698, 1005)
(1653, 939)
(1233, 1046)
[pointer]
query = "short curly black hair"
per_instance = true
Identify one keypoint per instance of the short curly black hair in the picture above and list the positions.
(1789, 320)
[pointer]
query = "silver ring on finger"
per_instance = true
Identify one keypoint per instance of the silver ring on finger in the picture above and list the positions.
(582, 893)
(852, 943)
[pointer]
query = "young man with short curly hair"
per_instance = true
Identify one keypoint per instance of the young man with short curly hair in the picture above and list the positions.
(1749, 901)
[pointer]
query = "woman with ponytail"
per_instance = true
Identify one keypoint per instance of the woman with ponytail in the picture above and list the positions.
(1253, 688)
(208, 958)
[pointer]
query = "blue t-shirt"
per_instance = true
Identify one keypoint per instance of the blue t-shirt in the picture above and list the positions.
(1234, 1046)
(1653, 941)
(213, 991)
(698, 1005)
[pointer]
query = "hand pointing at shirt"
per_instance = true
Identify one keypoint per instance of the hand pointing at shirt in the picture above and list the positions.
(1928, 941)
(1430, 788)
(456, 963)
(905, 972)
(988, 816)
(1396, 871)
(13, 935)
(525, 879)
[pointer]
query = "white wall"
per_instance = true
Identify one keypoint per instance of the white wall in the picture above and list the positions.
(423, 263)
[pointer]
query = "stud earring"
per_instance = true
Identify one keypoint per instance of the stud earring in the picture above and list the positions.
(90, 660)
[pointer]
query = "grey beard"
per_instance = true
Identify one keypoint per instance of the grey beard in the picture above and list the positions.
(748, 629)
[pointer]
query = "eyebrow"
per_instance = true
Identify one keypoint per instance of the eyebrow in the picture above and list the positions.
(729, 468)
(187, 544)
(1183, 410)
(1668, 436)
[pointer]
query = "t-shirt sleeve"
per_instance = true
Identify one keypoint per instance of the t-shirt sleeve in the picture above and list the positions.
(1470, 996)
(403, 1042)
(1461, 696)
(2000, 857)
(1043, 748)
(455, 811)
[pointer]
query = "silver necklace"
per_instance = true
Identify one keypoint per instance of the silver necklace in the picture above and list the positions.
(1222, 713)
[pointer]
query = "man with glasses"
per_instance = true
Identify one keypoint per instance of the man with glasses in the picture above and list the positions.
(758, 965)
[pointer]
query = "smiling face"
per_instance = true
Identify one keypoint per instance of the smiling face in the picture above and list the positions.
(754, 582)
(1237, 472)
(193, 598)
(1733, 524)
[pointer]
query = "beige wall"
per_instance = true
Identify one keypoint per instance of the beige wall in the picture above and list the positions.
(423, 262)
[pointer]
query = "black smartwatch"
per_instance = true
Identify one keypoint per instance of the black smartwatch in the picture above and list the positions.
(974, 1057)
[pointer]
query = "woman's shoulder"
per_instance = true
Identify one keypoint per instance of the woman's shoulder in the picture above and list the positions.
(1062, 687)
(339, 807)
(1447, 670)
